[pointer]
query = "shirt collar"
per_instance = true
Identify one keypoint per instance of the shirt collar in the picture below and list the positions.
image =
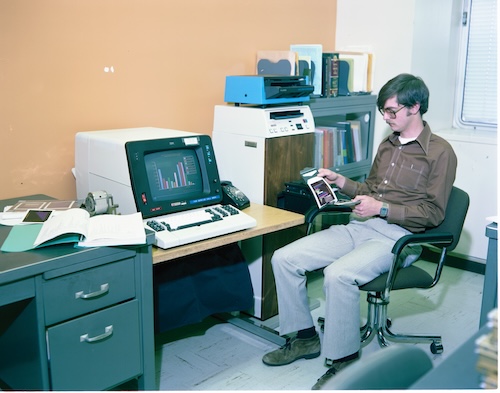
(423, 139)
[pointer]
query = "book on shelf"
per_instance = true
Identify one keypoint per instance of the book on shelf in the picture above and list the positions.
(323, 144)
(338, 144)
(330, 80)
(77, 226)
(356, 139)
(328, 147)
(339, 150)
(318, 148)
(346, 141)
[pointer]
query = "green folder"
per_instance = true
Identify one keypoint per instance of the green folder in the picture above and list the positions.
(22, 238)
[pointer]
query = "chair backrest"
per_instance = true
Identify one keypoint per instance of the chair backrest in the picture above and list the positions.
(456, 210)
(395, 367)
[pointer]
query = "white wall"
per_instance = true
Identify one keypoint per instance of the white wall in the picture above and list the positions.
(420, 37)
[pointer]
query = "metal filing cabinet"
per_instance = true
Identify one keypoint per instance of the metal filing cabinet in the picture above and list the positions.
(76, 319)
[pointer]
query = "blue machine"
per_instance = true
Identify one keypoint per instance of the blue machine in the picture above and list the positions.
(267, 89)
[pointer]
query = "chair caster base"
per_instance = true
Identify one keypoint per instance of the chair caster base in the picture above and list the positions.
(437, 347)
(366, 334)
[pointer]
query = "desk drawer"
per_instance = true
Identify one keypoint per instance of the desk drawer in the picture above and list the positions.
(79, 293)
(97, 351)
(16, 291)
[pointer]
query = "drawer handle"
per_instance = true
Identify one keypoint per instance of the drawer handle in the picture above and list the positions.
(104, 289)
(108, 331)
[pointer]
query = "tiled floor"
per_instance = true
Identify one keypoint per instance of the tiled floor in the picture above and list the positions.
(219, 356)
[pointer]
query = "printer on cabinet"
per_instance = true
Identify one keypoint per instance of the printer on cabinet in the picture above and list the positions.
(267, 89)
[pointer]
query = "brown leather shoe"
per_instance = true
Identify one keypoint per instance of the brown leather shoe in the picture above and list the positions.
(294, 349)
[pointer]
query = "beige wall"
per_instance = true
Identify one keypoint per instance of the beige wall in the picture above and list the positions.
(170, 59)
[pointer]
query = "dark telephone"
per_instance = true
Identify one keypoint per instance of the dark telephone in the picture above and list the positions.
(233, 196)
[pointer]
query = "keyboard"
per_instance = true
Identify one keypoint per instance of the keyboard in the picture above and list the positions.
(176, 229)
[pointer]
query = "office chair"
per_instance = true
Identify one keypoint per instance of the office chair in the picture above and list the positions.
(395, 367)
(445, 237)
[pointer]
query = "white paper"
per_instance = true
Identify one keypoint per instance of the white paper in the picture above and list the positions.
(114, 230)
(69, 221)
(100, 230)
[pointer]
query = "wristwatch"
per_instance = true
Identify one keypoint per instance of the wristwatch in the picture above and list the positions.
(384, 210)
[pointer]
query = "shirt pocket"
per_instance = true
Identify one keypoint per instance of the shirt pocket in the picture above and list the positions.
(412, 175)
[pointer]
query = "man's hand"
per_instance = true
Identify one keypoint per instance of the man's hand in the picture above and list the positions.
(332, 177)
(368, 207)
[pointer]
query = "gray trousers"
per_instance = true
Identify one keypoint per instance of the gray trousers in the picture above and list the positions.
(351, 255)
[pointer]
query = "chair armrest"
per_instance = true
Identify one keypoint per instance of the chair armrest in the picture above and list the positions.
(314, 211)
(437, 239)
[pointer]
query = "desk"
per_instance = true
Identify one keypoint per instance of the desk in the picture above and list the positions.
(490, 290)
(269, 220)
(272, 231)
(457, 371)
(76, 319)
(32, 289)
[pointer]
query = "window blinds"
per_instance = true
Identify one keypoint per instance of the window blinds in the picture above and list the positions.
(479, 105)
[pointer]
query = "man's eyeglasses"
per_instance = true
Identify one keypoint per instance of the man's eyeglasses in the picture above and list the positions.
(390, 112)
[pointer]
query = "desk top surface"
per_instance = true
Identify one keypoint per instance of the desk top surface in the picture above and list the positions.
(18, 265)
(269, 219)
(492, 230)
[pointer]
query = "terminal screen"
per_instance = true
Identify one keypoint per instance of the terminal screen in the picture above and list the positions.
(173, 174)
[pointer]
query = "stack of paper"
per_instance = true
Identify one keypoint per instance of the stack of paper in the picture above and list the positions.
(487, 348)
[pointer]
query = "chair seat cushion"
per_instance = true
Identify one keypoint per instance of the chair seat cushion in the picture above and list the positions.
(409, 277)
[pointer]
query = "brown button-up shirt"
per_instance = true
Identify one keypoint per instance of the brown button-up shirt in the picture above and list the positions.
(415, 179)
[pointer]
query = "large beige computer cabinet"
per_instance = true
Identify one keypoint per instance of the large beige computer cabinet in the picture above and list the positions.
(259, 149)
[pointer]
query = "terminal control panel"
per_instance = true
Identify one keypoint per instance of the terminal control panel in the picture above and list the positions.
(263, 122)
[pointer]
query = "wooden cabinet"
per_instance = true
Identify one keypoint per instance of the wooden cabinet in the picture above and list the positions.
(285, 157)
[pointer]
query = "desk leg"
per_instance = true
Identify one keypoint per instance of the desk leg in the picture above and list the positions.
(144, 274)
(490, 281)
(254, 327)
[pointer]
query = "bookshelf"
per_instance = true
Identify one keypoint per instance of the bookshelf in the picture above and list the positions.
(332, 114)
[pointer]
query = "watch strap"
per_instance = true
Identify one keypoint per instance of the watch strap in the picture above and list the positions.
(384, 210)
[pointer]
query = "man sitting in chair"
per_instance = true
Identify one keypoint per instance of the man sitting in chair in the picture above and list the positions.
(406, 192)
